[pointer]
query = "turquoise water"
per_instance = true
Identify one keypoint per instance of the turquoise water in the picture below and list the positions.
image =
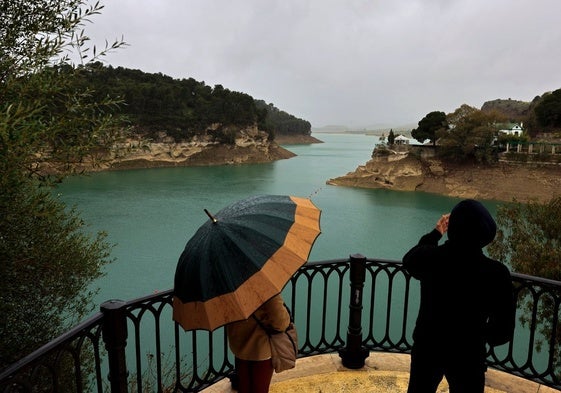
(150, 214)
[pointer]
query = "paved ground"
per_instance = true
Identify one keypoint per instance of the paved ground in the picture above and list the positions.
(383, 372)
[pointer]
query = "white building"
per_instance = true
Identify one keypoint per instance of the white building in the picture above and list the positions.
(515, 130)
(401, 140)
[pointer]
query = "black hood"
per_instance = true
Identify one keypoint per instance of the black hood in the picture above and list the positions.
(471, 224)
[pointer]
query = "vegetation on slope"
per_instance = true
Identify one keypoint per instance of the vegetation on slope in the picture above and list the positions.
(157, 104)
(48, 261)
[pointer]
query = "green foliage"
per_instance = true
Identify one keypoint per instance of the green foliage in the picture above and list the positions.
(381, 151)
(516, 157)
(157, 103)
(529, 238)
(183, 108)
(47, 260)
(430, 126)
(503, 139)
(548, 111)
(44, 116)
(470, 137)
(282, 123)
(40, 33)
(391, 137)
(515, 111)
(45, 122)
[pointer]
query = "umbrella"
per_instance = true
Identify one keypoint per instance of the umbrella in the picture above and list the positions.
(240, 258)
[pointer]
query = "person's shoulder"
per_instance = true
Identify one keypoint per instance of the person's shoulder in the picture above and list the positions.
(272, 305)
(497, 267)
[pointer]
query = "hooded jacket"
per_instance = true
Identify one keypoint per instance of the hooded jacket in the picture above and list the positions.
(466, 298)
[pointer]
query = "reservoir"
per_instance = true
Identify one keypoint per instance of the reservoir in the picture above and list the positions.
(150, 214)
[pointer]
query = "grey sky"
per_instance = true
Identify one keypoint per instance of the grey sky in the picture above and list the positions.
(357, 63)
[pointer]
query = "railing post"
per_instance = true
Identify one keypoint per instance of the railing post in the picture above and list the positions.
(115, 337)
(353, 355)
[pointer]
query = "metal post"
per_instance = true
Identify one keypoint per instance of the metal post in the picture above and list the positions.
(353, 355)
(115, 337)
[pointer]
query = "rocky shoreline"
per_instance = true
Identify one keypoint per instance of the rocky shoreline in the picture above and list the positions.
(250, 146)
(183, 154)
(399, 172)
(502, 182)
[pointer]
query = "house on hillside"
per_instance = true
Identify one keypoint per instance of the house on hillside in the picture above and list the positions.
(513, 130)
(401, 140)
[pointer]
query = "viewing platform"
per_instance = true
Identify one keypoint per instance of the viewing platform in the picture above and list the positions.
(382, 372)
(359, 343)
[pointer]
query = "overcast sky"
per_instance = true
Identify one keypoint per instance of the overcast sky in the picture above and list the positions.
(358, 63)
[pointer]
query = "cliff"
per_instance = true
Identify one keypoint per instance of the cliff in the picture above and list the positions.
(501, 182)
(249, 146)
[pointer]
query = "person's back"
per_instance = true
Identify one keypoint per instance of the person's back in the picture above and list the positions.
(466, 301)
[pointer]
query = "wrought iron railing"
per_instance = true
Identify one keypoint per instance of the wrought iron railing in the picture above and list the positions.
(351, 306)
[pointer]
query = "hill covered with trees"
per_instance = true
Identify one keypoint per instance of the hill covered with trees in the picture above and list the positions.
(541, 116)
(513, 110)
(183, 108)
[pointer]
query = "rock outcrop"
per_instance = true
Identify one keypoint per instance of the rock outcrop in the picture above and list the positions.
(250, 145)
(500, 182)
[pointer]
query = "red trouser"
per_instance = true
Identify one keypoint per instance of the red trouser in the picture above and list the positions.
(254, 376)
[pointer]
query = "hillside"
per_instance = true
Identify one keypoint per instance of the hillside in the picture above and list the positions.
(250, 146)
(513, 110)
(158, 106)
(172, 122)
(500, 182)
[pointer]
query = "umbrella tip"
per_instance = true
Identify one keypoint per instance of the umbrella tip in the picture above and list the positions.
(214, 220)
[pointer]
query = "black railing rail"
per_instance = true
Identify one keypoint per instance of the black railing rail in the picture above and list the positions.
(351, 306)
(48, 366)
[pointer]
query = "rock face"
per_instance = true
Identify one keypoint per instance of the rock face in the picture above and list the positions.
(249, 146)
(399, 172)
(501, 182)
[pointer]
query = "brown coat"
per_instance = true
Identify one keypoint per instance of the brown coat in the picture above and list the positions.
(247, 340)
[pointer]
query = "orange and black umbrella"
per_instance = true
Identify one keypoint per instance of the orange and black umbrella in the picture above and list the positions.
(241, 257)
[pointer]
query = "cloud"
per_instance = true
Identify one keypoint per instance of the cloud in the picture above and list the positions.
(353, 63)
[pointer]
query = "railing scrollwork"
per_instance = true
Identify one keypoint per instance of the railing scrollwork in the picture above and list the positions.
(348, 306)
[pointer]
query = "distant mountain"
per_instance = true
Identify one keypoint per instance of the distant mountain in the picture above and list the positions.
(333, 129)
(515, 111)
(404, 129)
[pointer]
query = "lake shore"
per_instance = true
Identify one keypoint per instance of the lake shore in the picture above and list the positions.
(503, 181)
(246, 151)
(251, 146)
(296, 139)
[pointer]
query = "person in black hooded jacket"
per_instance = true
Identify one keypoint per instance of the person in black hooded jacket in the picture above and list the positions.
(467, 302)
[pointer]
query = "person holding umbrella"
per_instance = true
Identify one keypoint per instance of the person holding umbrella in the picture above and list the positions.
(232, 271)
(250, 345)
(467, 302)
